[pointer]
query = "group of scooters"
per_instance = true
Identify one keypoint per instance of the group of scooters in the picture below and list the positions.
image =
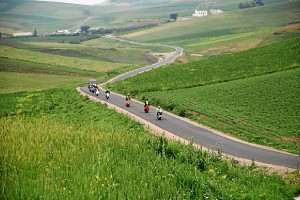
(146, 107)
(94, 89)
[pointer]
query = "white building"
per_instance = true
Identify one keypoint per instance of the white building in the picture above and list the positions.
(22, 34)
(63, 32)
(200, 13)
(215, 11)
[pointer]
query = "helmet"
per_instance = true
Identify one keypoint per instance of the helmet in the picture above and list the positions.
(158, 106)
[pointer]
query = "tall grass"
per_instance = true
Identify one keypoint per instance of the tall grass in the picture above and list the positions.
(71, 148)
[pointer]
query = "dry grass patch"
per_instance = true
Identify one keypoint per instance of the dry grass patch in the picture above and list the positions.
(232, 47)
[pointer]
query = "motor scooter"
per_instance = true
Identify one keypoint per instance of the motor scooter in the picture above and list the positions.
(159, 115)
(107, 95)
(146, 108)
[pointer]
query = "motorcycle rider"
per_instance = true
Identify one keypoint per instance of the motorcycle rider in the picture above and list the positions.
(107, 93)
(127, 97)
(147, 103)
(97, 91)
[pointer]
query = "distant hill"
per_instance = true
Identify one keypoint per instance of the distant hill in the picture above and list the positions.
(137, 1)
(20, 16)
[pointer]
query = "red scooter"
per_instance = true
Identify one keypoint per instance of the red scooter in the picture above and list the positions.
(127, 103)
(146, 108)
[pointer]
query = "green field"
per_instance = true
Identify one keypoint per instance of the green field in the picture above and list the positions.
(233, 29)
(11, 82)
(262, 110)
(259, 61)
(58, 144)
(99, 58)
(252, 95)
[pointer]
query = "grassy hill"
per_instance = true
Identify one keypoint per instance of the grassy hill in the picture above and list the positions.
(228, 32)
(252, 95)
(38, 62)
(18, 16)
(56, 144)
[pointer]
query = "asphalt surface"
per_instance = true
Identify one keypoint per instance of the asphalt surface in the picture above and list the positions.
(188, 131)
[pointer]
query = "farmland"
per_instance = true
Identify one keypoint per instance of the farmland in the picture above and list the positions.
(57, 144)
(259, 61)
(58, 147)
(252, 95)
(230, 29)
(99, 58)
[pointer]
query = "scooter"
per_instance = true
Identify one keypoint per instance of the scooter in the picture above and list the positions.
(146, 108)
(107, 95)
(127, 103)
(159, 115)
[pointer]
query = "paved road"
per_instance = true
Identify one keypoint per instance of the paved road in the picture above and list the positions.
(178, 51)
(200, 136)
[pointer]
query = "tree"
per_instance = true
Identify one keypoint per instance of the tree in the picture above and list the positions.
(85, 29)
(253, 3)
(174, 16)
(34, 33)
(258, 2)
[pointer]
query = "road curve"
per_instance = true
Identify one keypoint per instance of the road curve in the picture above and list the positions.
(188, 130)
(178, 52)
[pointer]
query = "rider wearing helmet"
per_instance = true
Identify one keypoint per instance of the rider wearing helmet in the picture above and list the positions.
(127, 97)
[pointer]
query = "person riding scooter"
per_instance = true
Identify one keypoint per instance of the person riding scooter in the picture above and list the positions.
(127, 102)
(97, 91)
(127, 97)
(147, 103)
(159, 112)
(107, 94)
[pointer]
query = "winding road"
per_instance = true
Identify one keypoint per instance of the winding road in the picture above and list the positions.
(188, 130)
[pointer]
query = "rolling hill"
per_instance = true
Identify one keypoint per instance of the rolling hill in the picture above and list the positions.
(57, 144)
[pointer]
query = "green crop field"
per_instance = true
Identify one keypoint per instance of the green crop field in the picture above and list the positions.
(272, 58)
(11, 82)
(58, 144)
(252, 95)
(99, 58)
(262, 110)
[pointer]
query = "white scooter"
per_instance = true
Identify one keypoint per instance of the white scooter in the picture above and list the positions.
(97, 92)
(159, 115)
(107, 94)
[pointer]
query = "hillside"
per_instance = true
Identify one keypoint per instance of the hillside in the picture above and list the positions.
(137, 1)
(49, 16)
(57, 144)
(225, 33)
(252, 95)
